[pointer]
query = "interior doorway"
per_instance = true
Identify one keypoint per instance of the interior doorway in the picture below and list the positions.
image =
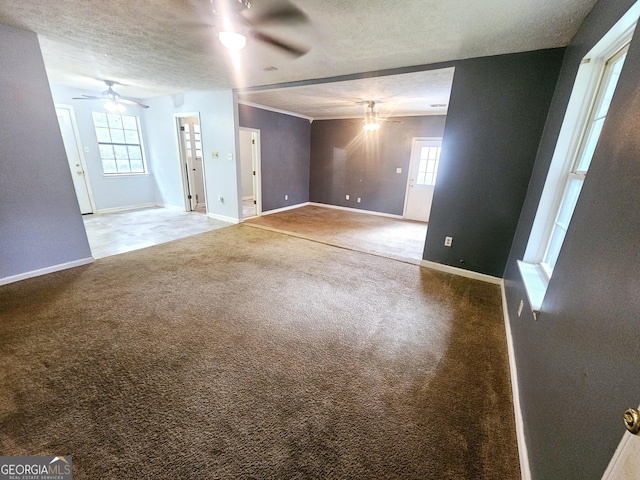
(249, 140)
(75, 157)
(191, 161)
(421, 181)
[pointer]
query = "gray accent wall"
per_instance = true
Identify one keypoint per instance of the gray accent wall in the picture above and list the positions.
(496, 116)
(40, 222)
(578, 362)
(284, 147)
(346, 160)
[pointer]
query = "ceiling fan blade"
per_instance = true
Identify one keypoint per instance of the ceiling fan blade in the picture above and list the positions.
(128, 101)
(287, 47)
(88, 97)
(284, 13)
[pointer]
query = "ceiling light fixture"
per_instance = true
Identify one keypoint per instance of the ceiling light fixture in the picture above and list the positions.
(232, 40)
(371, 121)
(114, 106)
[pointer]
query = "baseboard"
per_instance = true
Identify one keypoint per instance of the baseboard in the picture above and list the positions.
(284, 209)
(523, 453)
(170, 207)
(223, 218)
(44, 271)
(461, 272)
(356, 210)
(126, 208)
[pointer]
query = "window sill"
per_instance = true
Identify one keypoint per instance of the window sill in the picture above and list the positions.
(535, 283)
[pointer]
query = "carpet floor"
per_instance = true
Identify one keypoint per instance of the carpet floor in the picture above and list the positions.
(389, 237)
(244, 353)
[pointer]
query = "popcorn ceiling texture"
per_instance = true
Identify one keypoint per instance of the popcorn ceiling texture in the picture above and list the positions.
(157, 47)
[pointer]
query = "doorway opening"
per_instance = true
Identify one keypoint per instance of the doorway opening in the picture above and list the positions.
(191, 162)
(421, 181)
(75, 157)
(250, 166)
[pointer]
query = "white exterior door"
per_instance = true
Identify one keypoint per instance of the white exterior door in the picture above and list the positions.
(625, 463)
(72, 147)
(423, 168)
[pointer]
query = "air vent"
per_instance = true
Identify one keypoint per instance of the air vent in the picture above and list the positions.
(438, 105)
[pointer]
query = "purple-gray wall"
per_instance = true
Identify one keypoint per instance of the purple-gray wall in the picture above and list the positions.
(284, 147)
(578, 362)
(346, 160)
(496, 116)
(40, 222)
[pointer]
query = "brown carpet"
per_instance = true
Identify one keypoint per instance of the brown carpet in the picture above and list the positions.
(389, 237)
(242, 353)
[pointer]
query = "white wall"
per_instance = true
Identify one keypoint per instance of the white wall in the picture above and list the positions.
(218, 124)
(110, 192)
(41, 227)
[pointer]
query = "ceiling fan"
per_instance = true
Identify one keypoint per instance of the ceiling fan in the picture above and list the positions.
(236, 19)
(372, 121)
(114, 102)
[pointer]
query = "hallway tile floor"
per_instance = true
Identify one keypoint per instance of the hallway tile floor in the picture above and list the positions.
(113, 233)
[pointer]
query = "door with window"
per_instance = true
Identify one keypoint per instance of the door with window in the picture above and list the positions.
(423, 169)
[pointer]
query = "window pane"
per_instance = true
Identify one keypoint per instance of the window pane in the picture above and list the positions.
(610, 87)
(134, 152)
(590, 146)
(115, 120)
(424, 153)
(109, 166)
(567, 207)
(100, 119)
(129, 122)
(121, 152)
(103, 136)
(123, 166)
(117, 136)
(137, 166)
(106, 152)
(557, 238)
(131, 136)
(196, 128)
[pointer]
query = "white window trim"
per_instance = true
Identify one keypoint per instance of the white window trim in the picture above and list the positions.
(142, 149)
(583, 97)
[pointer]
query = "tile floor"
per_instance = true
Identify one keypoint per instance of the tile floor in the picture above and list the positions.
(248, 209)
(113, 233)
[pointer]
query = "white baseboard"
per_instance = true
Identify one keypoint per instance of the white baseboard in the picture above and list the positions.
(523, 453)
(284, 209)
(44, 271)
(356, 210)
(170, 207)
(461, 272)
(126, 208)
(223, 218)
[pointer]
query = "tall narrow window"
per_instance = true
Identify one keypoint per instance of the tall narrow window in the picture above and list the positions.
(576, 177)
(119, 143)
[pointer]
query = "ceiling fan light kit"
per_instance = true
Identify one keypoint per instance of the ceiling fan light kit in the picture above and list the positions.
(113, 101)
(371, 121)
(233, 41)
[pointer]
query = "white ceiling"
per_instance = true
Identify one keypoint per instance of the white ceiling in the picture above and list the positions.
(154, 47)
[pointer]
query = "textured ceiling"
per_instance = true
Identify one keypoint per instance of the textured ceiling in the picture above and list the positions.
(155, 47)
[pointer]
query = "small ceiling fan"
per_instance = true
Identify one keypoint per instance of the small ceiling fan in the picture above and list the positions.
(236, 19)
(372, 120)
(114, 102)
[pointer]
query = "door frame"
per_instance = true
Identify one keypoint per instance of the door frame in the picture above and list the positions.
(80, 148)
(182, 159)
(256, 158)
(414, 142)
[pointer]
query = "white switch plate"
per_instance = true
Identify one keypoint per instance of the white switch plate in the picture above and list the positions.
(286, 197)
(214, 154)
(398, 170)
(229, 156)
(358, 199)
(86, 149)
(347, 197)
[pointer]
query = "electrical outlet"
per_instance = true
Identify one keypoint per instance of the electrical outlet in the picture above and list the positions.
(520, 307)
(448, 241)
(347, 197)
(221, 199)
(286, 197)
(358, 199)
(214, 154)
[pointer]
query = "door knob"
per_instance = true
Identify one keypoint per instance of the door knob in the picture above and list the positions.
(632, 420)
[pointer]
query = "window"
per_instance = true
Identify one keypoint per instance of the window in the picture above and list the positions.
(584, 119)
(119, 143)
(576, 177)
(428, 167)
